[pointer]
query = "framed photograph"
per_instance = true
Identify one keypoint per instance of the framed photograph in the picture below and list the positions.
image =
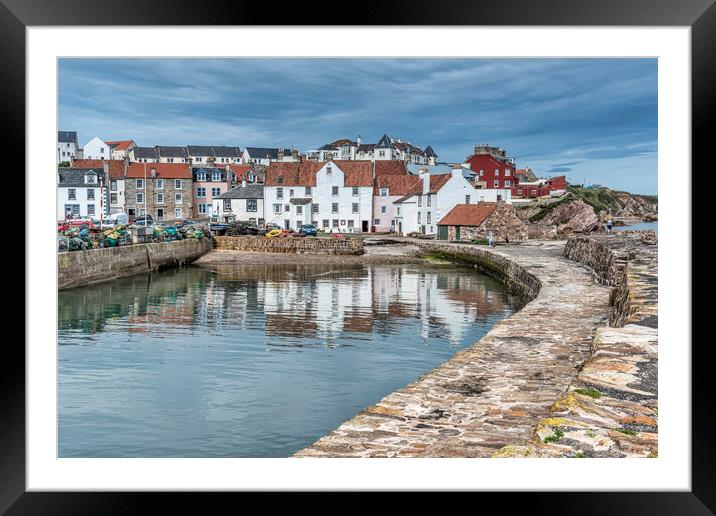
(513, 181)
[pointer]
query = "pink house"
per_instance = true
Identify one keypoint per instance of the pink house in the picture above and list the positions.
(386, 190)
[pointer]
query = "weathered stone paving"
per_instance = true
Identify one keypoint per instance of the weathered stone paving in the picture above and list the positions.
(610, 409)
(492, 394)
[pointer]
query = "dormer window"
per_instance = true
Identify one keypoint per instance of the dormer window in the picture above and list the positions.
(201, 176)
(279, 180)
(329, 169)
(384, 192)
(91, 179)
(251, 176)
(216, 176)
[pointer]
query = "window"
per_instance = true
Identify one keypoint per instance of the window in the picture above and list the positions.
(507, 172)
(177, 198)
(519, 192)
(113, 198)
(351, 224)
(160, 198)
(277, 208)
(329, 169)
(251, 205)
(467, 199)
(429, 198)
(201, 192)
(216, 176)
(215, 192)
(420, 200)
(428, 218)
(91, 179)
(177, 184)
(419, 217)
(308, 190)
(496, 183)
(398, 210)
(177, 213)
(90, 210)
(202, 208)
(384, 192)
(140, 198)
(299, 210)
(142, 211)
(279, 180)
(497, 172)
(334, 207)
(279, 193)
(315, 208)
(384, 209)
(290, 192)
(507, 183)
(286, 207)
(534, 192)
(160, 213)
(334, 190)
(325, 223)
(482, 172)
(376, 222)
(201, 176)
(160, 184)
(170, 160)
(355, 191)
(73, 208)
(113, 185)
(355, 207)
(90, 194)
(381, 153)
(227, 204)
(335, 223)
(140, 183)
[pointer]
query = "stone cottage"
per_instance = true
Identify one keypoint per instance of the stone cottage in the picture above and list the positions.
(467, 222)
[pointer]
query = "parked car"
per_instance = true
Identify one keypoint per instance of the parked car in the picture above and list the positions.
(90, 223)
(116, 219)
(144, 220)
(308, 230)
(180, 223)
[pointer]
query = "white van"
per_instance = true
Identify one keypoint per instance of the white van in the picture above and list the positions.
(116, 218)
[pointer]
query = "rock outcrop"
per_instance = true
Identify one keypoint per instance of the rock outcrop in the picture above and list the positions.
(572, 217)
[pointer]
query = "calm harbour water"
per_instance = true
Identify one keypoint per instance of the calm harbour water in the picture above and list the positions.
(253, 362)
(653, 226)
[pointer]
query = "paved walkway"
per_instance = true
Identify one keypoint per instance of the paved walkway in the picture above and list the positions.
(491, 394)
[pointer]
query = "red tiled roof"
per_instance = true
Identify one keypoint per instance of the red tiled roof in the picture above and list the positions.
(164, 170)
(390, 167)
(239, 170)
(468, 214)
(116, 166)
(120, 144)
(397, 185)
(437, 181)
(357, 173)
(292, 173)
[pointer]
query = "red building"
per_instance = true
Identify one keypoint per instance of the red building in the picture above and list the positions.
(492, 165)
(540, 188)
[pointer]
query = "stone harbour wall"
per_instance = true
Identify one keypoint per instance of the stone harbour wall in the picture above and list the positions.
(80, 268)
(611, 407)
(300, 245)
(490, 395)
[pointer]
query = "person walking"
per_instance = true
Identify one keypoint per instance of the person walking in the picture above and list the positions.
(490, 242)
(507, 240)
(609, 226)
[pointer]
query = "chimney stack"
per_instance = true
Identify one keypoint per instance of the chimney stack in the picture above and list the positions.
(280, 154)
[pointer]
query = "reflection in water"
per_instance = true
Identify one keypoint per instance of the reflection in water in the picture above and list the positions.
(254, 361)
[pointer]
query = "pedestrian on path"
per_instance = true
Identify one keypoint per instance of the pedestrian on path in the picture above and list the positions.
(490, 242)
(507, 240)
(609, 226)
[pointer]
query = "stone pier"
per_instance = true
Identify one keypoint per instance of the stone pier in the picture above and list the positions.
(489, 397)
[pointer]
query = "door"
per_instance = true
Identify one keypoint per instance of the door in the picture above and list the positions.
(443, 232)
(457, 232)
(400, 228)
(364, 226)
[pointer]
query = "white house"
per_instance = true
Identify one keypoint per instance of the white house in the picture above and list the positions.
(387, 149)
(81, 192)
(66, 146)
(421, 208)
(265, 156)
(241, 203)
(121, 149)
(334, 195)
(96, 149)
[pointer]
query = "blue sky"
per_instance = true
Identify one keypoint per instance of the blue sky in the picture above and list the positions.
(583, 118)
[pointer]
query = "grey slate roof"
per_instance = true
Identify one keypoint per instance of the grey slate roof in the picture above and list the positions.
(222, 151)
(199, 150)
(171, 152)
(385, 143)
(67, 137)
(300, 200)
(430, 152)
(208, 171)
(145, 152)
(75, 177)
(217, 151)
(250, 191)
(264, 152)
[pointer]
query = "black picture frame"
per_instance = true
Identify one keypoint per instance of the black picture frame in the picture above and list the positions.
(16, 15)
